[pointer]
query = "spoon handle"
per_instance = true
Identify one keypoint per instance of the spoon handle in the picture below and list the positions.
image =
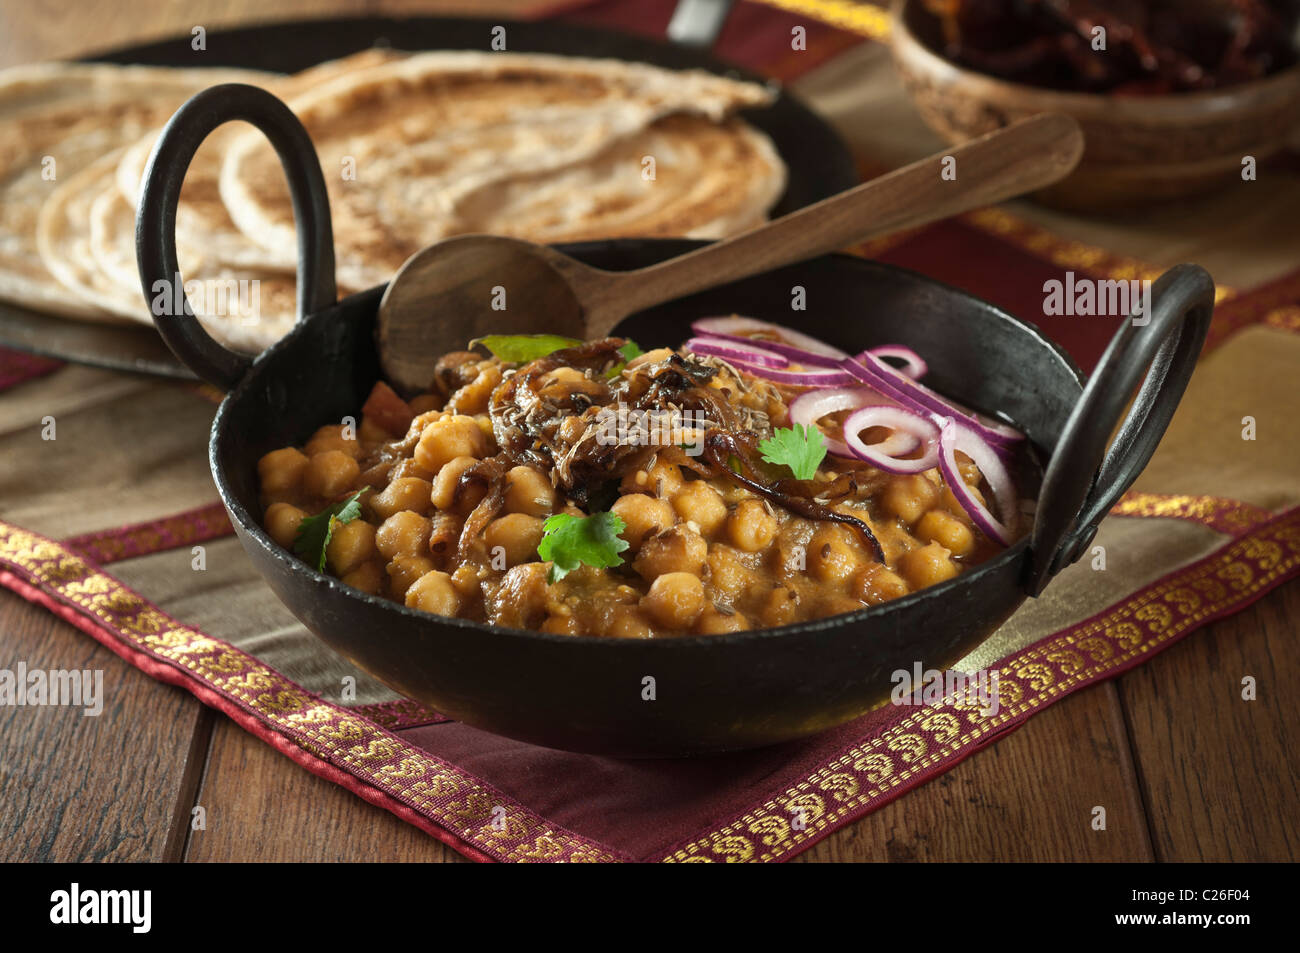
(1023, 157)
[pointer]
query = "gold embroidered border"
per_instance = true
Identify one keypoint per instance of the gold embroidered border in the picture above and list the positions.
(1285, 319)
(1215, 512)
(1068, 253)
(1027, 681)
(452, 798)
(862, 18)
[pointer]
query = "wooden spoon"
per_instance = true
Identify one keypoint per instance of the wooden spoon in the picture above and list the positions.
(472, 285)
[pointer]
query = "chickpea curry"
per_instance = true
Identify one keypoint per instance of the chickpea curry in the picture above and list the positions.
(591, 489)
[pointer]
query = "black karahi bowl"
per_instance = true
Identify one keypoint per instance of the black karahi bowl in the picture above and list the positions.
(710, 693)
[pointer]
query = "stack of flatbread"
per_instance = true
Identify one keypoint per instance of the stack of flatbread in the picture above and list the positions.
(414, 147)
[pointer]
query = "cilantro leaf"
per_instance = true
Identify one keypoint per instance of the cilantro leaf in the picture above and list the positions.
(629, 350)
(800, 448)
(522, 348)
(314, 532)
(571, 541)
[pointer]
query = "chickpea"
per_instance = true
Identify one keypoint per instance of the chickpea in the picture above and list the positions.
(473, 397)
(831, 557)
(702, 505)
(280, 471)
(330, 474)
(644, 516)
(781, 607)
(926, 566)
(713, 622)
(949, 502)
(675, 600)
(558, 623)
(403, 571)
(529, 492)
(403, 534)
(350, 545)
(433, 592)
(367, 577)
(663, 479)
(521, 600)
(970, 473)
(677, 550)
(282, 521)
(751, 527)
(908, 497)
(405, 493)
(442, 491)
(466, 578)
(946, 530)
(876, 584)
(651, 357)
(407, 468)
(571, 429)
(517, 535)
(332, 438)
(728, 573)
(628, 624)
(447, 438)
(562, 376)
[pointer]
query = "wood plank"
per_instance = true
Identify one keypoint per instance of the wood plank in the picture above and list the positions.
(86, 789)
(1029, 797)
(1219, 774)
(261, 806)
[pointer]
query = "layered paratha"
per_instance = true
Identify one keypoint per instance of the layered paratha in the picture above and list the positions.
(55, 120)
(403, 145)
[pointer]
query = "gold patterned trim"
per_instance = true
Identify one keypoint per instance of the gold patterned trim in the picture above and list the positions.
(452, 798)
(1218, 513)
(861, 18)
(1029, 680)
(1068, 253)
(1284, 319)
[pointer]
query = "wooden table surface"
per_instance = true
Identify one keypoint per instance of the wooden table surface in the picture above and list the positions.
(1185, 769)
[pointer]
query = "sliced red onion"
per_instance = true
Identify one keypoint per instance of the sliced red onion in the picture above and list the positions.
(730, 350)
(811, 406)
(954, 436)
(808, 377)
(793, 344)
(917, 397)
(904, 423)
(914, 365)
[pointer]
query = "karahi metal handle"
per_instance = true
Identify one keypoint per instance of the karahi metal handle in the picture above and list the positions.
(155, 223)
(1085, 476)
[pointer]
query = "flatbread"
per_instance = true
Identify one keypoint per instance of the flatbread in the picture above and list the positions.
(86, 233)
(55, 120)
(201, 216)
(403, 145)
(85, 237)
(708, 180)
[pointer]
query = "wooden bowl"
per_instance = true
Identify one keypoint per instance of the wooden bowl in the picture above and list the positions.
(1139, 149)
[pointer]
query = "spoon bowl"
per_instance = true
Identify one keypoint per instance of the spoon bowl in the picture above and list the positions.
(515, 286)
(494, 285)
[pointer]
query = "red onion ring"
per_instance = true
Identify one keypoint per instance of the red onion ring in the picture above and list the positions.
(730, 350)
(914, 365)
(792, 344)
(808, 377)
(905, 423)
(919, 398)
(811, 406)
(954, 436)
